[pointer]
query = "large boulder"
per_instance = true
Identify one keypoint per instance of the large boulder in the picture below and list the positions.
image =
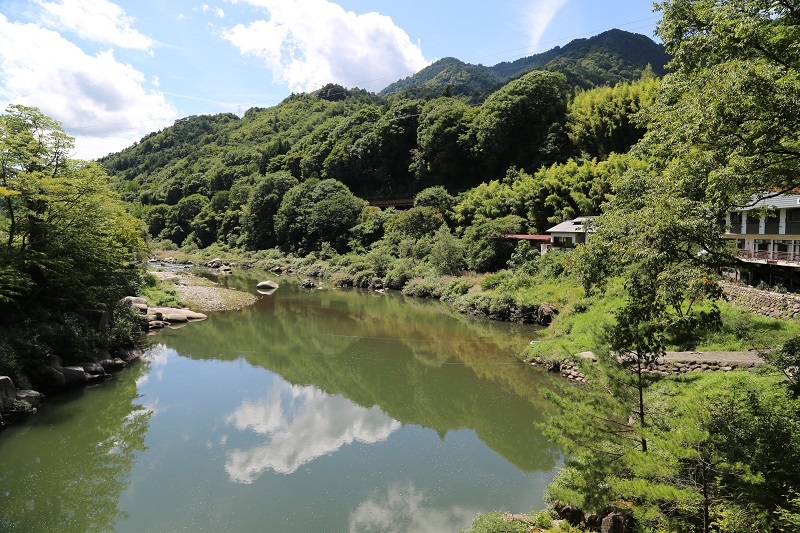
(570, 513)
(73, 375)
(32, 397)
(545, 314)
(618, 522)
(93, 368)
(215, 263)
(8, 393)
(136, 302)
(110, 365)
(269, 284)
(171, 314)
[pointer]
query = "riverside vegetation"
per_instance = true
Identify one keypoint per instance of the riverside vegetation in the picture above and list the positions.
(660, 161)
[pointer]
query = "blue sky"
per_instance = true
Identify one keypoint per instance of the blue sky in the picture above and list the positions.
(112, 71)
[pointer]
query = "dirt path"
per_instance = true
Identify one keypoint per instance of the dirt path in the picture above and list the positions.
(738, 358)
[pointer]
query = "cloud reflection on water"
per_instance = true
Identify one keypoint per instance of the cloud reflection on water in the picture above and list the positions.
(301, 424)
(404, 508)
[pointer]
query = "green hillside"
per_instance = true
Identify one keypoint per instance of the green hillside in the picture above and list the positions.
(604, 59)
(205, 177)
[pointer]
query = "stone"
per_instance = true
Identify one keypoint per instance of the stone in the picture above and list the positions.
(618, 522)
(307, 284)
(269, 284)
(175, 318)
(8, 393)
(34, 398)
(545, 314)
(73, 375)
(570, 513)
(50, 378)
(128, 354)
(93, 368)
(593, 521)
(214, 263)
(110, 365)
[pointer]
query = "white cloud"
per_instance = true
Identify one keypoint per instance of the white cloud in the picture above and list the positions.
(404, 508)
(95, 20)
(301, 424)
(98, 99)
(308, 43)
(219, 12)
(539, 15)
(204, 7)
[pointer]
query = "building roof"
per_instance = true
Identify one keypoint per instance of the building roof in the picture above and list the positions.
(782, 201)
(538, 238)
(576, 225)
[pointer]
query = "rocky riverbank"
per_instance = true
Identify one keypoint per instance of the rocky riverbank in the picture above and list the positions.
(202, 294)
(672, 364)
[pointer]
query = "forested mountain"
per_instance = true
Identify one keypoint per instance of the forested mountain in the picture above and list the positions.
(206, 176)
(604, 59)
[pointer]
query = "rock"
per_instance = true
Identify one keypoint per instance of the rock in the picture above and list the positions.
(73, 375)
(34, 398)
(269, 284)
(175, 318)
(570, 513)
(110, 365)
(192, 315)
(8, 393)
(618, 522)
(93, 368)
(593, 522)
(214, 263)
(225, 269)
(545, 314)
(128, 354)
(307, 284)
(49, 377)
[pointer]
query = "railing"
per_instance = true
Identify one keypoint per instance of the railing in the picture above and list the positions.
(763, 255)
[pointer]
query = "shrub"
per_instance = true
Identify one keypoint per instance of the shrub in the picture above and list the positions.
(401, 271)
(457, 287)
(496, 522)
(424, 287)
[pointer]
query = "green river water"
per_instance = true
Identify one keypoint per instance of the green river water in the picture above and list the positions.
(309, 411)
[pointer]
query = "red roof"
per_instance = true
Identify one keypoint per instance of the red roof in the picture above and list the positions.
(538, 238)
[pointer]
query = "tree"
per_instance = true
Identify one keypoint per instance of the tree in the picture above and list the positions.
(66, 240)
(447, 255)
(726, 121)
(601, 121)
(512, 124)
(258, 224)
(314, 212)
(484, 248)
(437, 198)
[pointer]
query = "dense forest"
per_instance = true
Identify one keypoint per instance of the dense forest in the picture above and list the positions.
(221, 179)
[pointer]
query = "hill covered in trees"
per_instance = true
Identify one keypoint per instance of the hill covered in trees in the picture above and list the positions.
(221, 178)
(605, 59)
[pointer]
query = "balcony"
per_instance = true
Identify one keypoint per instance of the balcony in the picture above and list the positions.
(763, 256)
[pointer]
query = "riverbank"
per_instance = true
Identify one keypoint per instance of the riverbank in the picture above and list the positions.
(203, 294)
(194, 292)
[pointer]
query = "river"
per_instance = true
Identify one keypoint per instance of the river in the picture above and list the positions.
(309, 411)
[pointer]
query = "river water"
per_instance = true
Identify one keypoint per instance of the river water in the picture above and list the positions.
(309, 411)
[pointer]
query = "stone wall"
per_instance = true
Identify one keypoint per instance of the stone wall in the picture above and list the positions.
(571, 369)
(767, 303)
